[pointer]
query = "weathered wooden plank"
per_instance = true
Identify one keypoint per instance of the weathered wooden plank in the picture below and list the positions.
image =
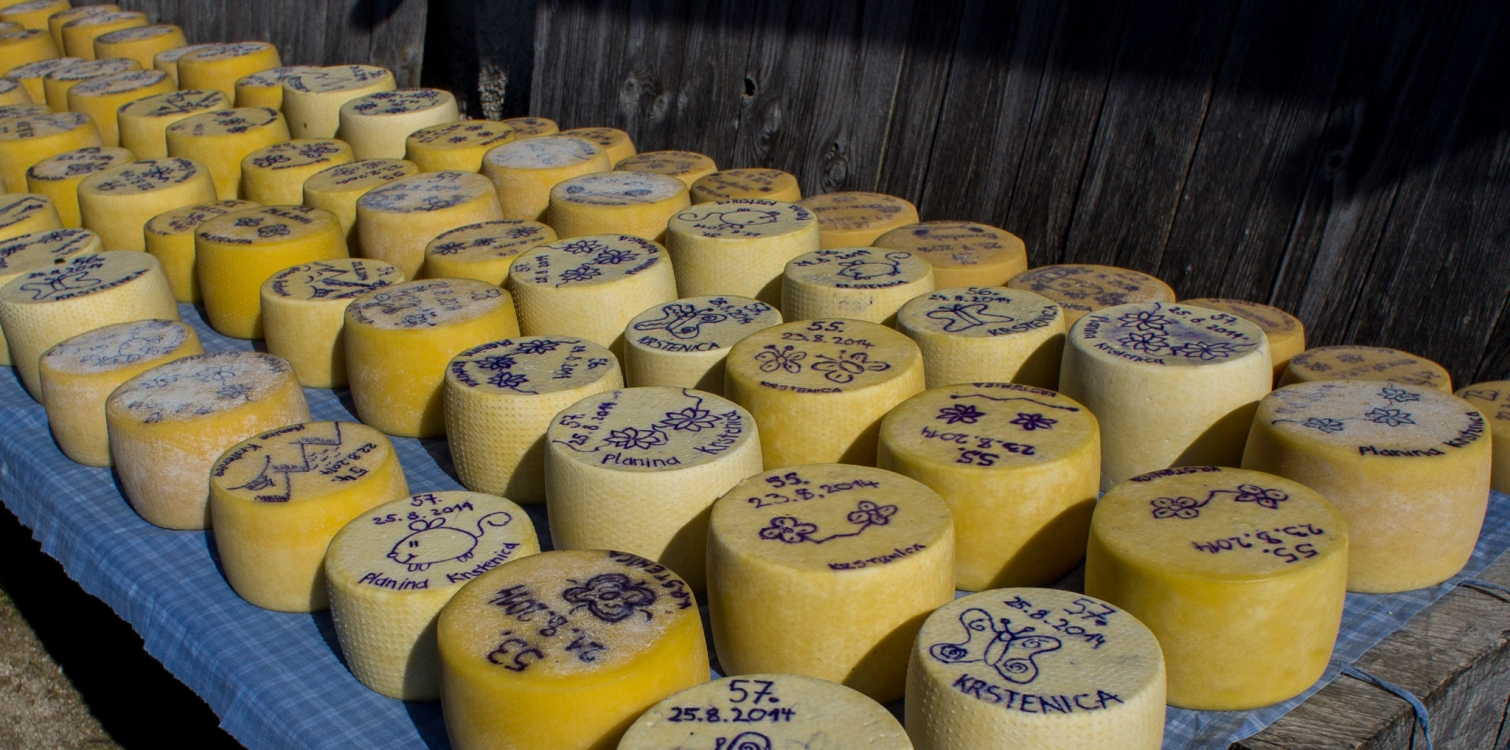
(917, 106)
(1495, 362)
(579, 61)
(398, 36)
(297, 27)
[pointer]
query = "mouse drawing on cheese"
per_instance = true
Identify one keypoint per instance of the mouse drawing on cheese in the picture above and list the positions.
(738, 218)
(432, 541)
(1011, 653)
(862, 269)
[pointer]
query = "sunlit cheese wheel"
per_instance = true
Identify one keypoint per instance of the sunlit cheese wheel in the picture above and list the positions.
(19, 48)
(501, 396)
(24, 141)
(118, 202)
(632, 203)
(167, 60)
(58, 177)
(860, 283)
(1493, 399)
(858, 219)
(1408, 465)
(1030, 668)
(10, 26)
(25, 213)
(739, 246)
(15, 111)
(767, 711)
(590, 287)
(397, 221)
(532, 127)
(827, 570)
(140, 43)
(304, 309)
(312, 101)
(33, 14)
(962, 253)
(219, 67)
(236, 252)
(1365, 363)
(56, 84)
(337, 189)
(399, 340)
(483, 251)
(1287, 336)
(684, 343)
(80, 33)
(59, 19)
(1081, 288)
(455, 145)
(12, 93)
(143, 124)
(1173, 385)
(524, 171)
(687, 166)
(101, 98)
(986, 334)
(614, 142)
(265, 87)
(78, 375)
(170, 238)
(278, 498)
(391, 570)
(1241, 575)
(378, 125)
(734, 184)
(170, 424)
(31, 75)
(40, 250)
(275, 174)
(221, 139)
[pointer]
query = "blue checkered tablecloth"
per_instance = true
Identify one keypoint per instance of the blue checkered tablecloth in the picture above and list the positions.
(277, 681)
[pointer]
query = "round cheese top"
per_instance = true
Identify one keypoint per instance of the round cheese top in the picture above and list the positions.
(858, 268)
(41, 68)
(200, 385)
(1491, 398)
(1274, 322)
(176, 104)
(272, 77)
(669, 163)
(102, 19)
(31, 5)
(530, 365)
(989, 426)
(464, 134)
(188, 218)
(88, 69)
(586, 261)
(142, 176)
(1219, 523)
(12, 37)
(957, 244)
(822, 356)
(41, 126)
(44, 249)
(616, 188)
(225, 122)
(8, 85)
(13, 111)
(701, 324)
(226, 51)
(300, 462)
(433, 540)
(300, 152)
(489, 240)
(78, 163)
(732, 184)
(428, 303)
(978, 312)
(429, 191)
(830, 517)
(136, 33)
(549, 152)
(81, 275)
(1376, 418)
(650, 429)
(337, 281)
(400, 102)
(267, 225)
(1079, 289)
(1368, 363)
(18, 207)
(172, 56)
(117, 346)
(360, 175)
(603, 138)
(856, 211)
(531, 127)
(1163, 334)
(741, 218)
(336, 78)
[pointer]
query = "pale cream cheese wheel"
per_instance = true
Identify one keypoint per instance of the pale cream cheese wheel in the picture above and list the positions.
(614, 142)
(236, 252)
(41, 250)
(167, 60)
(735, 184)
(221, 139)
(13, 93)
(484, 251)
(1493, 399)
(337, 189)
(532, 127)
(1365, 363)
(986, 334)
(139, 43)
(738, 246)
(25, 213)
(1083, 288)
(860, 283)
(687, 166)
(683, 344)
(455, 145)
(265, 87)
(31, 75)
(144, 123)
(25, 46)
(118, 202)
(638, 469)
(615, 202)
(378, 125)
(312, 100)
(1287, 336)
(58, 177)
(396, 221)
(101, 98)
(275, 174)
(218, 67)
(58, 19)
(170, 238)
(525, 169)
(962, 253)
(858, 219)
(304, 313)
(32, 14)
(80, 33)
(56, 84)
(24, 141)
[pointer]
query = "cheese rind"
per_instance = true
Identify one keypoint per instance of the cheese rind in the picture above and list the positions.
(962, 253)
(738, 246)
(455, 145)
(18, 48)
(304, 313)
(167, 60)
(526, 169)
(337, 189)
(378, 125)
(169, 237)
(1286, 334)
(80, 33)
(483, 251)
(33, 14)
(58, 177)
(275, 174)
(118, 202)
(140, 43)
(30, 75)
(981, 334)
(687, 166)
(12, 92)
(144, 123)
(265, 87)
(735, 184)
(40, 250)
(396, 221)
(860, 283)
(683, 344)
(218, 67)
(532, 127)
(221, 139)
(1365, 363)
(1082, 288)
(57, 83)
(312, 101)
(25, 213)
(24, 141)
(236, 252)
(858, 219)
(12, 111)
(615, 202)
(614, 142)
(1493, 399)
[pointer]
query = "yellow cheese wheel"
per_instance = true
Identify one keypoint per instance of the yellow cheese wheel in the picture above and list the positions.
(615, 202)
(638, 469)
(80, 33)
(278, 498)
(858, 219)
(144, 123)
(118, 202)
(304, 312)
(590, 287)
(687, 166)
(397, 221)
(1173, 385)
(61, 18)
(275, 174)
(612, 141)
(170, 238)
(1082, 288)
(734, 184)
(265, 87)
(827, 570)
(483, 251)
(78, 375)
(860, 283)
(782, 710)
(12, 93)
(31, 74)
(16, 111)
(455, 145)
(167, 60)
(337, 189)
(18, 48)
(684, 343)
(10, 26)
(140, 43)
(1024, 667)
(501, 396)
(1493, 399)
(1287, 336)
(399, 340)
(170, 424)
(58, 177)
(312, 101)
(1408, 465)
(524, 171)
(221, 139)
(391, 570)
(55, 85)
(962, 253)
(378, 125)
(563, 650)
(102, 97)
(24, 213)
(984, 334)
(39, 250)
(236, 252)
(33, 14)
(219, 67)
(1241, 575)
(739, 246)
(24, 141)
(1365, 363)
(532, 127)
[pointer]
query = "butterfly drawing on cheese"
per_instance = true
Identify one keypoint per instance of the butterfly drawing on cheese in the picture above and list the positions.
(1011, 653)
(962, 317)
(682, 320)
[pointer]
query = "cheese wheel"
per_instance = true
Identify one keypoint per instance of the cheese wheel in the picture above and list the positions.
(80, 33)
(391, 570)
(304, 312)
(312, 101)
(13, 93)
(140, 43)
(118, 202)
(78, 375)
(1286, 334)
(399, 340)
(1173, 385)
(236, 252)
(739, 246)
(170, 424)
(858, 219)
(612, 141)
(265, 87)
(784, 710)
(58, 20)
(33, 14)
(337, 189)
(615, 202)
(532, 127)
(40, 250)
(57, 178)
(221, 139)
(501, 396)
(1408, 465)
(24, 213)
(378, 125)
(11, 26)
(167, 60)
(687, 166)
(16, 111)
(218, 67)
(590, 287)
(483, 251)
(278, 498)
(1073, 672)
(524, 171)
(1365, 363)
(31, 74)
(734, 184)
(397, 221)
(144, 123)
(55, 85)
(169, 237)
(24, 141)
(1493, 399)
(684, 343)
(1241, 575)
(102, 97)
(785, 591)
(1081, 288)
(860, 283)
(275, 174)
(25, 46)
(455, 145)
(981, 334)
(962, 253)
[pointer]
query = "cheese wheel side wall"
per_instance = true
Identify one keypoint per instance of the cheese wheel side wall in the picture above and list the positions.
(585, 312)
(231, 276)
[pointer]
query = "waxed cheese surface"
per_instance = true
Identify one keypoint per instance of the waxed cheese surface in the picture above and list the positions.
(530, 365)
(650, 429)
(337, 281)
(771, 184)
(1366, 363)
(989, 425)
(962, 252)
(193, 387)
(700, 324)
(116, 347)
(1372, 418)
(1081, 289)
(418, 305)
(1168, 335)
(430, 541)
(585, 262)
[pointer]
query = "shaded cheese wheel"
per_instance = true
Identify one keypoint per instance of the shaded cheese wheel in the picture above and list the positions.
(684, 343)
(12, 92)
(102, 98)
(455, 145)
(265, 87)
(532, 127)
(615, 203)
(337, 189)
(858, 219)
(144, 123)
(304, 313)
(118, 202)
(80, 33)
(30, 75)
(28, 46)
(860, 283)
(217, 68)
(24, 141)
(140, 43)
(221, 139)
(236, 252)
(312, 101)
(986, 334)
(962, 253)
(378, 125)
(276, 174)
(40, 250)
(1082, 288)
(24, 213)
(614, 142)
(58, 177)
(734, 184)
(396, 221)
(58, 19)
(524, 170)
(169, 237)
(167, 60)
(738, 246)
(484, 251)
(1287, 337)
(687, 166)
(55, 85)
(33, 14)
(1493, 399)
(1365, 363)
